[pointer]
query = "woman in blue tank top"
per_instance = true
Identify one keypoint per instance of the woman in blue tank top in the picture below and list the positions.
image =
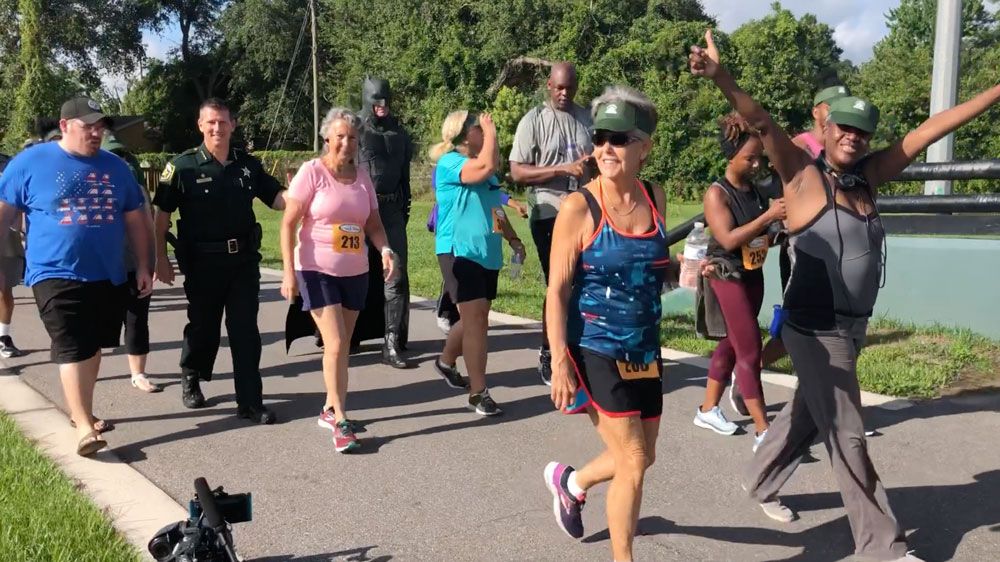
(608, 262)
(837, 240)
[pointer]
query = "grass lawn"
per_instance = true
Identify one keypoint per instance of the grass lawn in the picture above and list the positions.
(42, 515)
(900, 359)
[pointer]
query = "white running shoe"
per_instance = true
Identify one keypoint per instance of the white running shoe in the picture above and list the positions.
(777, 511)
(757, 439)
(715, 420)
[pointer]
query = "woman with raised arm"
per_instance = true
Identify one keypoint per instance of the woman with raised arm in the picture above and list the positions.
(608, 263)
(837, 242)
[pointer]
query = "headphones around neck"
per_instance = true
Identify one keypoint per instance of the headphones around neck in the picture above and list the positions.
(852, 180)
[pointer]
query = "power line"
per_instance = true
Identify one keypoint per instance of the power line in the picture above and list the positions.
(288, 76)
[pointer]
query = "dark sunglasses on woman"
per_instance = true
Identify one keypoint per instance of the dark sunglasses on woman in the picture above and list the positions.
(601, 136)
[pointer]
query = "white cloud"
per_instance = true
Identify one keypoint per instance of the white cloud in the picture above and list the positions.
(857, 24)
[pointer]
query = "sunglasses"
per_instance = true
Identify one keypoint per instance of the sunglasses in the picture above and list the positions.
(600, 137)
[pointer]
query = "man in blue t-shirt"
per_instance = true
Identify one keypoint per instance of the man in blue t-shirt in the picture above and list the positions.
(79, 202)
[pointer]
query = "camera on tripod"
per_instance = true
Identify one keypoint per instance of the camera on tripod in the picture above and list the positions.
(206, 536)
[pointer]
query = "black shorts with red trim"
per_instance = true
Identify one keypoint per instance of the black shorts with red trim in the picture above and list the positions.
(619, 389)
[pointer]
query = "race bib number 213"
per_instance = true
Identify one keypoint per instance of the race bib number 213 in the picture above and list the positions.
(348, 238)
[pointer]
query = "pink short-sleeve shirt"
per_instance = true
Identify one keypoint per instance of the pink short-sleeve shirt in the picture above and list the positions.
(332, 238)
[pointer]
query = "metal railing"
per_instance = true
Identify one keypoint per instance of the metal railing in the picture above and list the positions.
(925, 214)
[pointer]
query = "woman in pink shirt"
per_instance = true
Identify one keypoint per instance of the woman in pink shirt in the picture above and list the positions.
(335, 202)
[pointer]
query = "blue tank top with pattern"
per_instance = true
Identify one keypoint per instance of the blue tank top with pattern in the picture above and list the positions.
(614, 307)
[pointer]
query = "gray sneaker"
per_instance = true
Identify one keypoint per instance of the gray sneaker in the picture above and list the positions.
(482, 403)
(450, 375)
(715, 420)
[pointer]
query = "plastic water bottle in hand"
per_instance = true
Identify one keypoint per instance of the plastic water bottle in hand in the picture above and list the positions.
(695, 248)
(516, 262)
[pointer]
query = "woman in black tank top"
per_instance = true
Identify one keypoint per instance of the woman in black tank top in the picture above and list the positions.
(738, 217)
(835, 235)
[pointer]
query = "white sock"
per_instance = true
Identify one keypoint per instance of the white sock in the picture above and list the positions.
(574, 488)
(4, 329)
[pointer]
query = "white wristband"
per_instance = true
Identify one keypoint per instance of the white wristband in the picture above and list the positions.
(387, 250)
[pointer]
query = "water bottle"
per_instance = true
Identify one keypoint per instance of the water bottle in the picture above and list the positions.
(516, 261)
(777, 321)
(695, 248)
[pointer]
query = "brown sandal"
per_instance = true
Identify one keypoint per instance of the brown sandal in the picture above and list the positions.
(100, 426)
(90, 444)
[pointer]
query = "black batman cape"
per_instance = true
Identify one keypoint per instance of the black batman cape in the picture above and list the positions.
(371, 321)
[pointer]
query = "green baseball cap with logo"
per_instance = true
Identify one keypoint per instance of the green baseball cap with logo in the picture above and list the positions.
(827, 95)
(854, 112)
(111, 143)
(621, 117)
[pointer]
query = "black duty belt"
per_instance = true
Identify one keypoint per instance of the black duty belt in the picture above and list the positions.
(231, 246)
(389, 197)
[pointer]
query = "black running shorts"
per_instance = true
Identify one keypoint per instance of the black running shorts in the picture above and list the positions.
(619, 389)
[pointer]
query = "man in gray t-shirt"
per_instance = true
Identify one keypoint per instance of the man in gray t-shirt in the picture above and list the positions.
(552, 154)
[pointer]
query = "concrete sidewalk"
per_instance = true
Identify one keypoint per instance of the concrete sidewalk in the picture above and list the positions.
(435, 482)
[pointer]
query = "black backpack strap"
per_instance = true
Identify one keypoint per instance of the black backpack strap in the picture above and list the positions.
(594, 206)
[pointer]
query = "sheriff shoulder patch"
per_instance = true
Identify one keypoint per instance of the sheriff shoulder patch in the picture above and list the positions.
(168, 172)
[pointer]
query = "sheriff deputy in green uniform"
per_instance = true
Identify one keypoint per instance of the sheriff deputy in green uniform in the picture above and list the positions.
(213, 187)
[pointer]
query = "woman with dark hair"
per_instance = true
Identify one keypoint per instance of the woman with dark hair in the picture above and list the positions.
(739, 219)
(837, 243)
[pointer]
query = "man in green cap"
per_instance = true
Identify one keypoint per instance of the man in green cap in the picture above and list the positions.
(136, 319)
(811, 140)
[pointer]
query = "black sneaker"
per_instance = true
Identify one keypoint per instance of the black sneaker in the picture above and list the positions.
(257, 414)
(8, 349)
(483, 404)
(450, 375)
(545, 366)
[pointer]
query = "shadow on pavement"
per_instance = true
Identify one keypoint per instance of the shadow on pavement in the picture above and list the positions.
(940, 515)
(353, 555)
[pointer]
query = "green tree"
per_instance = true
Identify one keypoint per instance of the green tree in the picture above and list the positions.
(780, 60)
(898, 80)
(34, 94)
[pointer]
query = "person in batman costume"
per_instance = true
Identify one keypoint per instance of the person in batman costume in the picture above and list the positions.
(385, 152)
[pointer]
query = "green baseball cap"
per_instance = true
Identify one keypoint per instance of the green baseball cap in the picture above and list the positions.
(111, 143)
(827, 95)
(854, 112)
(622, 117)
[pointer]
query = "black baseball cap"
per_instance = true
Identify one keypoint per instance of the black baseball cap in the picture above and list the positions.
(84, 109)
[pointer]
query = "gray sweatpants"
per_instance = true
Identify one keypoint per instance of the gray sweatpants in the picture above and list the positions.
(827, 403)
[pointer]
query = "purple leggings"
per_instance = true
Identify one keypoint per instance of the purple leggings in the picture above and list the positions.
(740, 302)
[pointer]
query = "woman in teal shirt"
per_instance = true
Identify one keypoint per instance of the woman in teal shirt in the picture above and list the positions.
(468, 245)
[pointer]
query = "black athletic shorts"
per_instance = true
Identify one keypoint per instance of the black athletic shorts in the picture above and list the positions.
(80, 317)
(619, 389)
(466, 280)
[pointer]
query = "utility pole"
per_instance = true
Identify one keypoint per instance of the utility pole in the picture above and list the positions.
(312, 12)
(944, 83)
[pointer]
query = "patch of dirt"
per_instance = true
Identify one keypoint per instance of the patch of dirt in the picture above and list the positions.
(976, 378)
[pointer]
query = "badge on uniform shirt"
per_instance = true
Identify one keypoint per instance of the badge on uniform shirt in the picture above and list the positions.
(168, 172)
